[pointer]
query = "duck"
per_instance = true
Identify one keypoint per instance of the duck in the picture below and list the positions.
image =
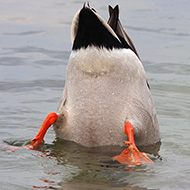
(106, 98)
(105, 86)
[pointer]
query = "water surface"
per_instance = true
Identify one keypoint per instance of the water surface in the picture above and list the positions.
(34, 50)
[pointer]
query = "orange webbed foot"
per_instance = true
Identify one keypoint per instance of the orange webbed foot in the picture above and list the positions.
(36, 142)
(131, 156)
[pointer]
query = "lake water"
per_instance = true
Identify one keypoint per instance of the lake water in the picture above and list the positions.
(34, 50)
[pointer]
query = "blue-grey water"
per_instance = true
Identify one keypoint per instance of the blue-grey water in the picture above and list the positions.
(34, 50)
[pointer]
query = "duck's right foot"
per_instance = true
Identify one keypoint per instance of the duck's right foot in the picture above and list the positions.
(131, 155)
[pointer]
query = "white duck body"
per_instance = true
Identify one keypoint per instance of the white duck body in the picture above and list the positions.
(104, 88)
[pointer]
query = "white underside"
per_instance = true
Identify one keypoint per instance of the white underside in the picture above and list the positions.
(104, 89)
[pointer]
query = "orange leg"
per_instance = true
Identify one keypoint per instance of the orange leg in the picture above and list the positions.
(131, 155)
(38, 139)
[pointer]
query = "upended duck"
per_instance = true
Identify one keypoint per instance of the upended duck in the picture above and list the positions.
(106, 94)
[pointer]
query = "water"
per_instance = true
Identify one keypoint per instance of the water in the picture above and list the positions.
(34, 50)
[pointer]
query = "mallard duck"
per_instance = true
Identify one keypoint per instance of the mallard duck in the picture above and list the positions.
(105, 86)
(106, 90)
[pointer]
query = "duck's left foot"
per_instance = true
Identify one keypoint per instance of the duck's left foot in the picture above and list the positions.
(131, 155)
(36, 142)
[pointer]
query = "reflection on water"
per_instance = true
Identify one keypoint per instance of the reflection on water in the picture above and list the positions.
(82, 166)
(35, 47)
